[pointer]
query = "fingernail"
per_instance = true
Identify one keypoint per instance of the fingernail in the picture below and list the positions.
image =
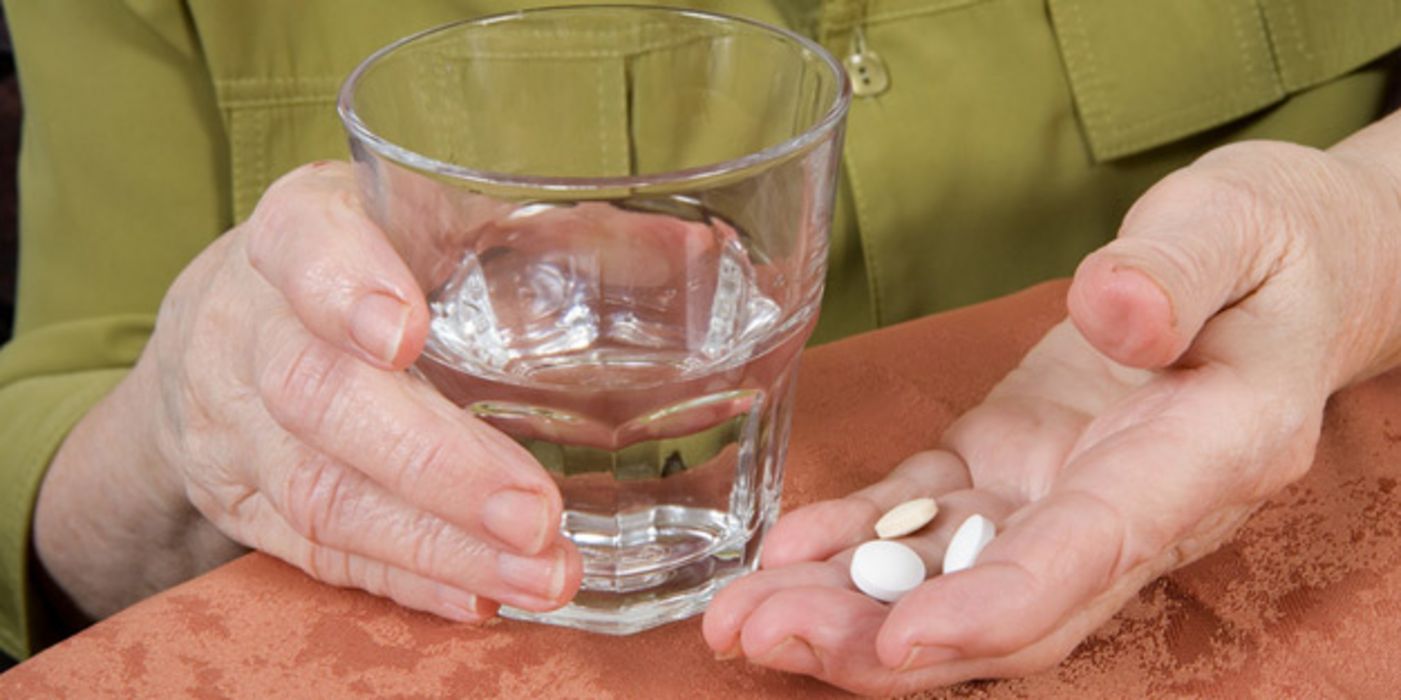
(794, 655)
(921, 656)
(377, 325)
(536, 576)
(733, 652)
(518, 518)
(459, 606)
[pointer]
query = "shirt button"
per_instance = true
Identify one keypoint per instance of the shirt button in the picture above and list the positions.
(867, 71)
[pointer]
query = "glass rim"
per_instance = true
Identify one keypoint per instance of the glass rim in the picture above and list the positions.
(360, 131)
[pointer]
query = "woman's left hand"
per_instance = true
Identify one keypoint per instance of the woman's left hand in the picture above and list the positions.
(1187, 386)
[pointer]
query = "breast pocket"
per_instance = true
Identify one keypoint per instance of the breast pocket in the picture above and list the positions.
(275, 125)
(1149, 72)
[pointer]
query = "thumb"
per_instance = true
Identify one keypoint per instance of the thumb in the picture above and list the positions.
(1191, 246)
(312, 242)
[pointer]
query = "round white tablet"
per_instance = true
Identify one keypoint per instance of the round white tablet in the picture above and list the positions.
(886, 570)
(906, 518)
(968, 542)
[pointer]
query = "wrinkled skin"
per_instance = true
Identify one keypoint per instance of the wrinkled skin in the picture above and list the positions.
(270, 410)
(271, 400)
(1187, 386)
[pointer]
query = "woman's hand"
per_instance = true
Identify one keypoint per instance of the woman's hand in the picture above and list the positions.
(271, 404)
(1187, 386)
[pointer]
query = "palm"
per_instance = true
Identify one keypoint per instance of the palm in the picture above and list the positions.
(1100, 477)
(1240, 275)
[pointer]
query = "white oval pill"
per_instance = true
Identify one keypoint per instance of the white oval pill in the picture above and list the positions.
(886, 570)
(968, 542)
(906, 518)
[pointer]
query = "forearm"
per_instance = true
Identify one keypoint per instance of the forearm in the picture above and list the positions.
(112, 525)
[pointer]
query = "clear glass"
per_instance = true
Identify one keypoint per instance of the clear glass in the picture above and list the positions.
(619, 216)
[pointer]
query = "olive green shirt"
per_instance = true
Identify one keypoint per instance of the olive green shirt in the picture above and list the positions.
(1008, 142)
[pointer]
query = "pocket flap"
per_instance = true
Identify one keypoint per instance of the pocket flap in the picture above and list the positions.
(1149, 72)
(1318, 40)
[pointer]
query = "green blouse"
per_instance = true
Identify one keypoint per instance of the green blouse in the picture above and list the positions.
(1006, 143)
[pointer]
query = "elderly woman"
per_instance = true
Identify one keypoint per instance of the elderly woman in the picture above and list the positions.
(210, 338)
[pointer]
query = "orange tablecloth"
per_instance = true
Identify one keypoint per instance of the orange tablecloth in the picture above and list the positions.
(1305, 602)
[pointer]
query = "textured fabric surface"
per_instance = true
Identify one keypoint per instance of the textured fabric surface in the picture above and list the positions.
(1304, 602)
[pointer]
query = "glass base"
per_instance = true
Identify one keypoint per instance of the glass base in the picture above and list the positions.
(624, 614)
(605, 609)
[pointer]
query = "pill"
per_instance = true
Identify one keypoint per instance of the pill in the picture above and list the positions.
(906, 518)
(886, 570)
(968, 542)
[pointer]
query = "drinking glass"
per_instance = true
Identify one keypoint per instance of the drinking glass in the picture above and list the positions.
(619, 216)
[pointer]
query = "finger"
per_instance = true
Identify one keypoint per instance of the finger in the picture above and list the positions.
(338, 509)
(270, 533)
(1189, 247)
(823, 632)
(406, 588)
(405, 437)
(311, 240)
(819, 530)
(832, 635)
(1055, 556)
(732, 607)
(727, 613)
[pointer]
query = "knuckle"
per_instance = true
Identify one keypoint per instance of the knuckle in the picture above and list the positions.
(324, 178)
(1261, 181)
(421, 462)
(1211, 190)
(281, 210)
(303, 384)
(367, 575)
(382, 580)
(321, 285)
(1183, 264)
(1245, 195)
(332, 566)
(265, 227)
(1232, 195)
(427, 544)
(315, 499)
(296, 183)
(314, 287)
(326, 564)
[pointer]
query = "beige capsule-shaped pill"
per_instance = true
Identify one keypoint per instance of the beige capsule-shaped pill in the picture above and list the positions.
(906, 518)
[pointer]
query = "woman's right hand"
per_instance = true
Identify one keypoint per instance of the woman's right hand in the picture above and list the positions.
(272, 397)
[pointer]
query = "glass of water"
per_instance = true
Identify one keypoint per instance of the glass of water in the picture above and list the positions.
(619, 216)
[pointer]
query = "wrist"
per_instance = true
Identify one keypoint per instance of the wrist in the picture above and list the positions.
(112, 523)
(1371, 305)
